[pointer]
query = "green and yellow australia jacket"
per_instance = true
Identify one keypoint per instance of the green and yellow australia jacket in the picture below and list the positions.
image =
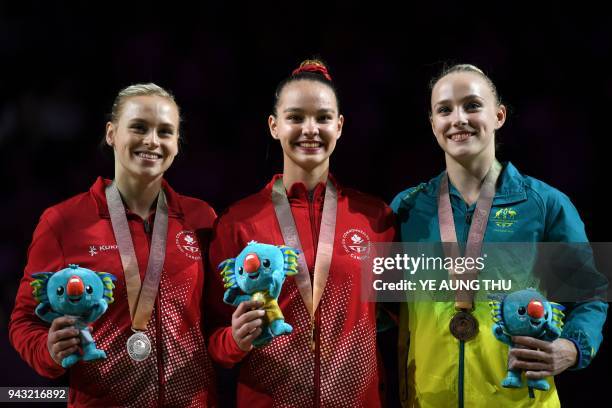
(438, 370)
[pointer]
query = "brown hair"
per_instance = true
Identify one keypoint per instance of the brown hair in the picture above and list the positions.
(312, 70)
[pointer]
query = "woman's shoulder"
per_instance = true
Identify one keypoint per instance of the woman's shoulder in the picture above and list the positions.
(74, 208)
(365, 201)
(406, 195)
(192, 205)
(197, 214)
(423, 191)
(247, 208)
(355, 194)
(561, 217)
(548, 195)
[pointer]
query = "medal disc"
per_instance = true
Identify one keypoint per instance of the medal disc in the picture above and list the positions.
(463, 326)
(139, 346)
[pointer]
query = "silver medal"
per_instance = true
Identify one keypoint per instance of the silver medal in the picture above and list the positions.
(139, 346)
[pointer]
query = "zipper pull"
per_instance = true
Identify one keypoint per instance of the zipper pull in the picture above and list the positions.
(147, 226)
(312, 335)
(468, 218)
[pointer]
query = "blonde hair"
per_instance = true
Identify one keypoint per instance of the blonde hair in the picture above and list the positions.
(149, 89)
(466, 68)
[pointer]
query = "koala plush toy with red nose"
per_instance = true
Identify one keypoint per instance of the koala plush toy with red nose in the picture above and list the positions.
(525, 313)
(258, 273)
(76, 292)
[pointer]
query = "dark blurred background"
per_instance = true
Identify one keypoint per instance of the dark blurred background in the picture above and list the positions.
(63, 64)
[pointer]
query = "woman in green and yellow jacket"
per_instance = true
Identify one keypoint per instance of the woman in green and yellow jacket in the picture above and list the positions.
(436, 368)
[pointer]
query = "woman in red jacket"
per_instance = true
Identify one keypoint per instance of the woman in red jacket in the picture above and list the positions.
(139, 229)
(329, 359)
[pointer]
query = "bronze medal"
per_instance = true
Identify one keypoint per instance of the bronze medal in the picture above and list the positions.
(463, 326)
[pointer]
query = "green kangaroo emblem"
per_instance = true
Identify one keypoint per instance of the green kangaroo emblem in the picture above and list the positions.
(505, 217)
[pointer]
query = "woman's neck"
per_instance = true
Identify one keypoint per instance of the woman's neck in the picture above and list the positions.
(293, 173)
(467, 176)
(139, 196)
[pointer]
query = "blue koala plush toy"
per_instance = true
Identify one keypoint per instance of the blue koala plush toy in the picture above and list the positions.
(525, 313)
(76, 292)
(258, 273)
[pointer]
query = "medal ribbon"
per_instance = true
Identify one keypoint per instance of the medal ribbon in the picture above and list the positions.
(310, 296)
(140, 297)
(464, 299)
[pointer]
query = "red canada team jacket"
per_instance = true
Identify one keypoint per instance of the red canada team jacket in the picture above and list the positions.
(342, 371)
(178, 372)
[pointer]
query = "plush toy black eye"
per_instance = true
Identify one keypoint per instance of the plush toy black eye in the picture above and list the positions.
(546, 315)
(266, 263)
(60, 291)
(521, 310)
(89, 289)
(240, 270)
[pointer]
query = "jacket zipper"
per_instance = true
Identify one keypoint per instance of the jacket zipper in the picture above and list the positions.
(160, 369)
(160, 360)
(316, 324)
(461, 374)
(317, 372)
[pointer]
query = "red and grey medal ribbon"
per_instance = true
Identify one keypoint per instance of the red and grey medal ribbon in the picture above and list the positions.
(141, 297)
(463, 325)
(311, 294)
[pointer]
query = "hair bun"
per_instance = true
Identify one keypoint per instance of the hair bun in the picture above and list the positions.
(314, 66)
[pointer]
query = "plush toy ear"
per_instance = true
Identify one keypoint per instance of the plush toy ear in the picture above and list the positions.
(499, 297)
(496, 306)
(558, 314)
(39, 286)
(227, 273)
(107, 280)
(496, 311)
(290, 257)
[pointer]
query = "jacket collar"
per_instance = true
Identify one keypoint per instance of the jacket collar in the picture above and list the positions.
(298, 190)
(510, 186)
(97, 191)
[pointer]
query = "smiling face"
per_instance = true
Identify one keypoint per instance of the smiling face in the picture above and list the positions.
(307, 123)
(257, 266)
(465, 115)
(526, 313)
(74, 292)
(144, 137)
